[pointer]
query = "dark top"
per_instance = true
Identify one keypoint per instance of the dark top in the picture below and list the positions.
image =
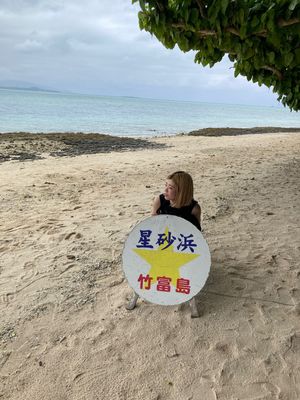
(183, 212)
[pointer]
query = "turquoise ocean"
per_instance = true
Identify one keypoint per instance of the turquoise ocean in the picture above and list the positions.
(39, 111)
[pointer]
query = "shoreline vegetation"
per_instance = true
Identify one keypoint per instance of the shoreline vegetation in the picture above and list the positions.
(25, 146)
(22, 146)
(240, 131)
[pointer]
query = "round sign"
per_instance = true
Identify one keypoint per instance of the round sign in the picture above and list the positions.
(166, 260)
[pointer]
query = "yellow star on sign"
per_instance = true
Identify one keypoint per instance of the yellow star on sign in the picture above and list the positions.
(164, 261)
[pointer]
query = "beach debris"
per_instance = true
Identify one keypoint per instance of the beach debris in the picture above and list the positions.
(132, 302)
(7, 333)
(174, 353)
(116, 282)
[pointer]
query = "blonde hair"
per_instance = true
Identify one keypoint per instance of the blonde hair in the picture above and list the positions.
(184, 188)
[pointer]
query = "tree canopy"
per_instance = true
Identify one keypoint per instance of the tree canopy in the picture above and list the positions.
(260, 37)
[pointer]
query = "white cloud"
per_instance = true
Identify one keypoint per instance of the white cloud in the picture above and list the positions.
(30, 45)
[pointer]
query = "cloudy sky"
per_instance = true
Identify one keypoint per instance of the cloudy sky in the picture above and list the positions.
(95, 46)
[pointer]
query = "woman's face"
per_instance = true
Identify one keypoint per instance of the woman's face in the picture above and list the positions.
(170, 190)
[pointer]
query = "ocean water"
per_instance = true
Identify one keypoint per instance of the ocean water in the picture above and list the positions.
(35, 111)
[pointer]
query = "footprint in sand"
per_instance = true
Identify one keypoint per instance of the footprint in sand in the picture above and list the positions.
(30, 271)
(284, 295)
(50, 227)
(294, 340)
(7, 298)
(92, 383)
(103, 341)
(4, 358)
(229, 350)
(275, 364)
(76, 234)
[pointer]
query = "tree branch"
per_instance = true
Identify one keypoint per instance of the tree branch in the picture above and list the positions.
(281, 23)
(201, 8)
(234, 31)
(160, 6)
(263, 33)
(274, 70)
(293, 21)
(202, 32)
(205, 32)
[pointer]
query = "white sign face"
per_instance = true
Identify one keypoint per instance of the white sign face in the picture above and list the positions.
(166, 260)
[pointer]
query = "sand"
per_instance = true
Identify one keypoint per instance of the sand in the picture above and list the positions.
(64, 331)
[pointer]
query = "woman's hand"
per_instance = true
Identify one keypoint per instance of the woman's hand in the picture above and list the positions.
(155, 205)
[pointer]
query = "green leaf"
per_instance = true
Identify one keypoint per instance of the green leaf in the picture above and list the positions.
(213, 10)
(293, 5)
(260, 80)
(297, 56)
(288, 58)
(241, 15)
(248, 53)
(142, 5)
(271, 24)
(271, 57)
(243, 31)
(183, 44)
(194, 16)
(224, 5)
(186, 15)
(255, 21)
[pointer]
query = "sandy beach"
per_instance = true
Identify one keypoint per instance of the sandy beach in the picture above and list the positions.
(64, 331)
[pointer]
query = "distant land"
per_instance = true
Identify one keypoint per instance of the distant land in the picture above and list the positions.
(32, 89)
(22, 85)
